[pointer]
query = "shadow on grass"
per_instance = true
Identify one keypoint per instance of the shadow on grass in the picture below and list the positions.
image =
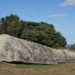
(36, 65)
(33, 64)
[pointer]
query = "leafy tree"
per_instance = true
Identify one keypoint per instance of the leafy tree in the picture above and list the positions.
(42, 32)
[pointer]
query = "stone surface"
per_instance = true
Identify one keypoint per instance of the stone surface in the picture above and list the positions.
(17, 50)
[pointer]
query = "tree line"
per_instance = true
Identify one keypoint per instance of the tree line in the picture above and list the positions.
(42, 32)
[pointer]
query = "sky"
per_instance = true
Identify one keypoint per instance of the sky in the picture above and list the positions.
(60, 13)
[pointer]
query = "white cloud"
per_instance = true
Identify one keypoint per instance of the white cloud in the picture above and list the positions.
(57, 15)
(67, 2)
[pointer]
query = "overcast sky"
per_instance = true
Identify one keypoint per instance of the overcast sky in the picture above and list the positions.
(61, 13)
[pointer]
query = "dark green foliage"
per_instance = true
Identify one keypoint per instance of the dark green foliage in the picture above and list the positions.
(42, 32)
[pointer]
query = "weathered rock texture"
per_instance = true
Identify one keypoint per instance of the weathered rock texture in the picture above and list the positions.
(18, 50)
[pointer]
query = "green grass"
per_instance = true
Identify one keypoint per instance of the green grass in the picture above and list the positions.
(33, 69)
(59, 69)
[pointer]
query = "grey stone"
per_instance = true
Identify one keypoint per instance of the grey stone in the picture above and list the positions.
(18, 50)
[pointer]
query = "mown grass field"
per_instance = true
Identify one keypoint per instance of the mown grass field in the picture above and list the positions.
(30, 69)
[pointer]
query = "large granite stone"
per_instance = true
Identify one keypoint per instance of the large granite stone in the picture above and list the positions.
(17, 50)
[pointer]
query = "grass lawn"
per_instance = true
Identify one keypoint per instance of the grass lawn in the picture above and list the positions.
(30, 69)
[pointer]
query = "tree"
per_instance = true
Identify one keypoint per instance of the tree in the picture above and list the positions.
(42, 32)
(72, 47)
